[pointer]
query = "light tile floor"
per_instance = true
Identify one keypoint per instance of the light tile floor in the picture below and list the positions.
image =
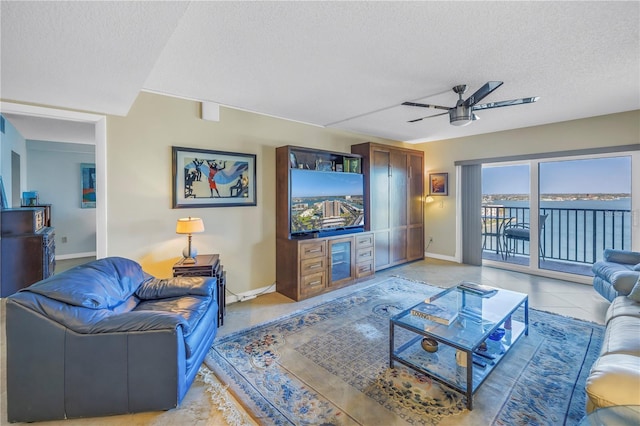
(561, 297)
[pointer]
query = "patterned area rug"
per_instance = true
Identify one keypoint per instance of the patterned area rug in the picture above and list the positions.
(329, 365)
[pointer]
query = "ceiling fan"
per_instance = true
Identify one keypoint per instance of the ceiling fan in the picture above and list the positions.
(463, 113)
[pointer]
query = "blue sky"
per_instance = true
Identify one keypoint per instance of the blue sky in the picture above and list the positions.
(312, 183)
(602, 175)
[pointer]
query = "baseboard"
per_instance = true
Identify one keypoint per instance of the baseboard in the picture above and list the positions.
(75, 255)
(441, 257)
(251, 294)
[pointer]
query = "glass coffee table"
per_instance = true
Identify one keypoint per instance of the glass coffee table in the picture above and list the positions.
(469, 348)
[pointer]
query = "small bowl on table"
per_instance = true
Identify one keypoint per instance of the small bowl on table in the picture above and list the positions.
(429, 344)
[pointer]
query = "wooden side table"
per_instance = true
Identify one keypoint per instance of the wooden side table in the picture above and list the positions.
(207, 265)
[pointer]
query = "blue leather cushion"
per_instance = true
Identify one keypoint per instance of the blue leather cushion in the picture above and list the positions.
(176, 287)
(621, 256)
(609, 270)
(189, 308)
(102, 284)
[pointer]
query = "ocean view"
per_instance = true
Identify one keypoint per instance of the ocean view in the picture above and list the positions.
(576, 229)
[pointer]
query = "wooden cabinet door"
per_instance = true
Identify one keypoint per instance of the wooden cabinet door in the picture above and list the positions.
(395, 196)
(341, 261)
(380, 182)
(398, 206)
(415, 231)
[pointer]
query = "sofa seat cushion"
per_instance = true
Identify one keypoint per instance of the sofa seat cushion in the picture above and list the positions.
(623, 306)
(621, 337)
(189, 308)
(614, 380)
(102, 284)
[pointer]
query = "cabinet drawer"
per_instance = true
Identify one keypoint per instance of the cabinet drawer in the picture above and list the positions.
(312, 266)
(312, 283)
(313, 249)
(364, 254)
(365, 240)
(364, 269)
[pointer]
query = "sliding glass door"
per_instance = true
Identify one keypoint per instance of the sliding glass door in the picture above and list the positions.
(582, 206)
(586, 204)
(505, 210)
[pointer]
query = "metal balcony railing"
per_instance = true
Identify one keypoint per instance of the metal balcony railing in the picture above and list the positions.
(569, 234)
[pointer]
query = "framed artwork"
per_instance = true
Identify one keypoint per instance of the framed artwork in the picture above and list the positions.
(3, 196)
(438, 183)
(204, 178)
(88, 179)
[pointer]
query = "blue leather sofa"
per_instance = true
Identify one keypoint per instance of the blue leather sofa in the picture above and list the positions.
(616, 274)
(105, 338)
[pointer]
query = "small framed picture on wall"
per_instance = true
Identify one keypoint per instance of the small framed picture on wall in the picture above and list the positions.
(438, 183)
(88, 178)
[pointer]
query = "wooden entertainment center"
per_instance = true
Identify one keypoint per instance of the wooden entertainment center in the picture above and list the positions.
(392, 204)
(312, 264)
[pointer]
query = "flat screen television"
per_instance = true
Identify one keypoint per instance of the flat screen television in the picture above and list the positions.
(326, 202)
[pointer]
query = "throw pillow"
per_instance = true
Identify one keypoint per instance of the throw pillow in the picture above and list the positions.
(635, 292)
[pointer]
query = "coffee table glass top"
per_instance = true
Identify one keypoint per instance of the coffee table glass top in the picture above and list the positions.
(477, 316)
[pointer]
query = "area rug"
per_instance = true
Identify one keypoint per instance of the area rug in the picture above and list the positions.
(329, 365)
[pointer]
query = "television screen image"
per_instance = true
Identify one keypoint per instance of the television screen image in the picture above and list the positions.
(323, 201)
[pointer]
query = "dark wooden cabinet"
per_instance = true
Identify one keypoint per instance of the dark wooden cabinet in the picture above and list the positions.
(28, 249)
(306, 268)
(394, 211)
(207, 265)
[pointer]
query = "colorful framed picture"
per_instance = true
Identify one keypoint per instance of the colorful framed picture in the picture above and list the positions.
(3, 196)
(438, 183)
(204, 178)
(88, 179)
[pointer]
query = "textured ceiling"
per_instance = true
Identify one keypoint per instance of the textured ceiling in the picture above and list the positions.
(346, 65)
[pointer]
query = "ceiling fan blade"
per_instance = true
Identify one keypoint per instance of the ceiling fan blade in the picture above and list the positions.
(428, 116)
(415, 104)
(505, 103)
(482, 93)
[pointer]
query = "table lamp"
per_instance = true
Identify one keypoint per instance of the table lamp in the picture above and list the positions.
(189, 225)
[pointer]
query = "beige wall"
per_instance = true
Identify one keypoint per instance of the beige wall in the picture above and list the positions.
(140, 218)
(603, 131)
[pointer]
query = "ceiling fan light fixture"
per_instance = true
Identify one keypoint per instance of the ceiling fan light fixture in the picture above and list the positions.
(461, 116)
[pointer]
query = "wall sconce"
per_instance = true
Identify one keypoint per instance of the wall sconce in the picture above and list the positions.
(189, 225)
(429, 199)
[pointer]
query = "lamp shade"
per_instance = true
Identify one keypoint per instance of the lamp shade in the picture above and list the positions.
(189, 225)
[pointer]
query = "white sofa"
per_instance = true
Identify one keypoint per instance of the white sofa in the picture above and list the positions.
(615, 376)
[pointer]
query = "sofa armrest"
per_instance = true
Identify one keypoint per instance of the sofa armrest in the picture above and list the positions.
(176, 287)
(139, 321)
(623, 281)
(621, 256)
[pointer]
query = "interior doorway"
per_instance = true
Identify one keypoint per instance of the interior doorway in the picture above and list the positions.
(98, 122)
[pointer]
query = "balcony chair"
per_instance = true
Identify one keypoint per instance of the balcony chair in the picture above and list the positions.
(514, 232)
(494, 220)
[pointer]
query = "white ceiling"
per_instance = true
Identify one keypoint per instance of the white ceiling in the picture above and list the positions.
(344, 65)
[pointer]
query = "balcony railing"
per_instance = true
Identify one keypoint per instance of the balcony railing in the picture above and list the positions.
(569, 234)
